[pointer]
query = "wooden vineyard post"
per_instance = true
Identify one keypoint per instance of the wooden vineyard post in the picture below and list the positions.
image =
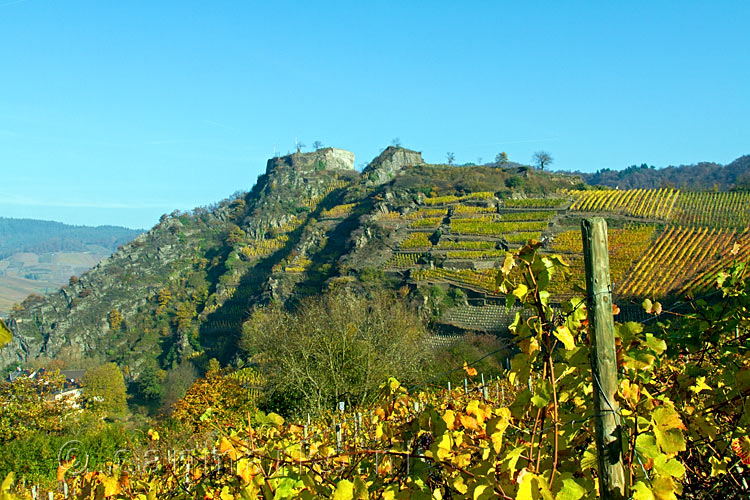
(603, 360)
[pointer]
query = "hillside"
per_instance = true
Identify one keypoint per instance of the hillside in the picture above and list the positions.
(698, 177)
(311, 222)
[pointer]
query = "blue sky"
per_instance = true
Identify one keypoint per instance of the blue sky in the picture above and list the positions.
(117, 112)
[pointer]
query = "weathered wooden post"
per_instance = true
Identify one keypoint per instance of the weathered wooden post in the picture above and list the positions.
(603, 360)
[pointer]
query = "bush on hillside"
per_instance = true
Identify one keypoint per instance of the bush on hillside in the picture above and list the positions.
(338, 347)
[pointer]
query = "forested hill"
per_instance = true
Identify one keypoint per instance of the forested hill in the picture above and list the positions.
(38, 236)
(698, 177)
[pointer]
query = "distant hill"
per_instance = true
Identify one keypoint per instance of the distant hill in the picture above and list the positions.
(38, 256)
(698, 177)
(40, 236)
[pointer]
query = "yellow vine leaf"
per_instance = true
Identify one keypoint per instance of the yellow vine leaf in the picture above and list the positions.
(344, 490)
(719, 467)
(657, 308)
(463, 460)
(225, 494)
(669, 467)
(479, 411)
(640, 491)
(496, 428)
(700, 385)
(508, 264)
(111, 485)
(7, 482)
(449, 417)
(483, 491)
(460, 485)
(512, 458)
(443, 445)
(469, 422)
(664, 488)
(5, 333)
(275, 419)
(571, 489)
(532, 487)
(226, 447)
(668, 430)
(245, 470)
(563, 335)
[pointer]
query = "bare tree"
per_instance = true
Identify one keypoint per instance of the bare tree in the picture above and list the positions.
(501, 159)
(450, 157)
(542, 159)
(396, 142)
(317, 145)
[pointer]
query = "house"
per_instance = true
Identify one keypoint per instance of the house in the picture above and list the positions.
(70, 391)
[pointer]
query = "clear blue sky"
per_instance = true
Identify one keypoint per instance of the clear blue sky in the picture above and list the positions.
(117, 112)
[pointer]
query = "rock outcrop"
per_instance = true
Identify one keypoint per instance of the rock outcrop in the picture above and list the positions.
(322, 159)
(388, 163)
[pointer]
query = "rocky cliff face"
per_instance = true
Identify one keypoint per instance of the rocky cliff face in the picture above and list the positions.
(383, 168)
(76, 316)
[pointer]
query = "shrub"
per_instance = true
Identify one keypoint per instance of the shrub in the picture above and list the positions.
(349, 343)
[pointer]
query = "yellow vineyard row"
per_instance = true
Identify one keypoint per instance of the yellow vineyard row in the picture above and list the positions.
(646, 203)
(730, 209)
(676, 256)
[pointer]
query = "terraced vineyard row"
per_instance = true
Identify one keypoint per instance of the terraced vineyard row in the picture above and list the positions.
(261, 248)
(676, 256)
(536, 203)
(465, 245)
(338, 211)
(472, 210)
(416, 240)
(728, 210)
(312, 202)
(495, 228)
(447, 200)
(426, 223)
(646, 203)
(475, 254)
(482, 280)
(298, 264)
(521, 237)
(505, 216)
(403, 260)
